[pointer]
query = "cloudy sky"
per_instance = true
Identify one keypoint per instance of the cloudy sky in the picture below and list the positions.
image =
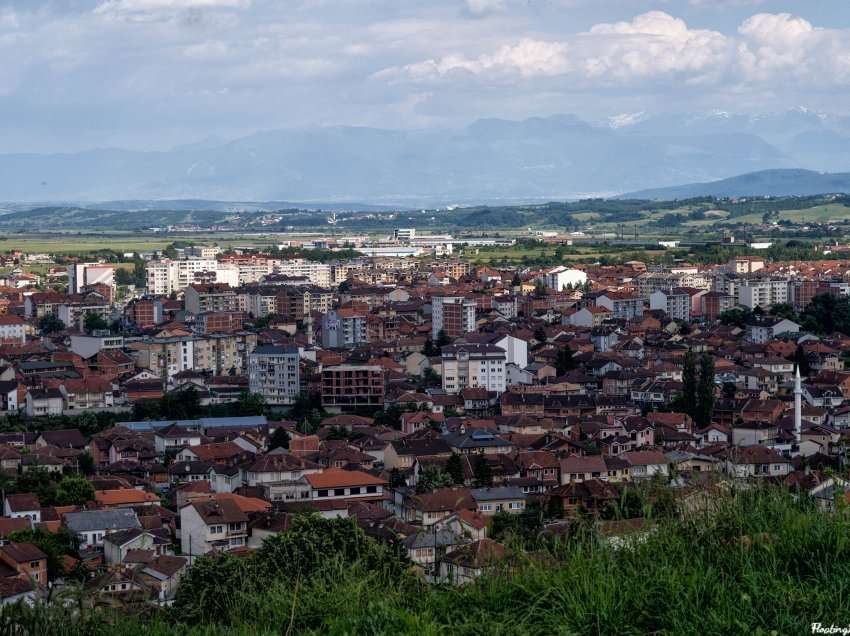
(152, 74)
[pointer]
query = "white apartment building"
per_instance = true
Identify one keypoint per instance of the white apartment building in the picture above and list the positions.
(165, 276)
(344, 328)
(677, 305)
(473, 365)
(560, 277)
(273, 373)
(84, 274)
(762, 293)
(318, 273)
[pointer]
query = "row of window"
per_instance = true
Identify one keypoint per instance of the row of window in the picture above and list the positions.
(355, 490)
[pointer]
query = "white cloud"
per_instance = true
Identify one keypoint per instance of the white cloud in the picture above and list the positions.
(527, 58)
(145, 10)
(482, 7)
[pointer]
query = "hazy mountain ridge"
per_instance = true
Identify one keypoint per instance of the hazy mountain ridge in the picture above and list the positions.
(489, 161)
(777, 183)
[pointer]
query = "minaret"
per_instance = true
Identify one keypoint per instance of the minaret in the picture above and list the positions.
(798, 408)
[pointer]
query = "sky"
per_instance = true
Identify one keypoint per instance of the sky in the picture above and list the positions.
(155, 74)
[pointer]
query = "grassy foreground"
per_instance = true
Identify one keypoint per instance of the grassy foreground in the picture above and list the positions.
(691, 576)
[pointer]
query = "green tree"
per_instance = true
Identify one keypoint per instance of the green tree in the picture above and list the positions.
(801, 360)
(482, 474)
(94, 321)
(564, 360)
(705, 391)
(689, 384)
(429, 349)
(442, 339)
(86, 463)
(432, 478)
(312, 541)
(539, 289)
(737, 316)
(250, 404)
(454, 467)
(209, 590)
(49, 323)
(74, 491)
(279, 439)
(54, 544)
(540, 334)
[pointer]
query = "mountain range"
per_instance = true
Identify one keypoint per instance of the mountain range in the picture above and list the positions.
(488, 161)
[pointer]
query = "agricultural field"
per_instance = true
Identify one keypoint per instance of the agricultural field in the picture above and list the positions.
(817, 214)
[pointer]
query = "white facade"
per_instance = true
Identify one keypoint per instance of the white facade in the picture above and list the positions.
(561, 277)
(166, 276)
(677, 306)
(83, 274)
(762, 293)
(318, 273)
(273, 373)
(473, 366)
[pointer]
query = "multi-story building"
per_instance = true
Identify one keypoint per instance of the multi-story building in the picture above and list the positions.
(715, 303)
(473, 365)
(348, 386)
(675, 303)
(165, 276)
(81, 275)
(220, 321)
(624, 306)
(745, 264)
(211, 297)
(318, 273)
(13, 329)
(213, 524)
(344, 328)
(454, 315)
(295, 303)
(74, 312)
(562, 277)
(763, 293)
(273, 373)
(203, 251)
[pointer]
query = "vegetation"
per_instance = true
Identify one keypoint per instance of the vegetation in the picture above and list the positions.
(760, 562)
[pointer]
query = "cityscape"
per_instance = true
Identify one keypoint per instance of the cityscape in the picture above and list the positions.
(464, 317)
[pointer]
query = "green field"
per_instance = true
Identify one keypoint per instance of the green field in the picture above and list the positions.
(819, 214)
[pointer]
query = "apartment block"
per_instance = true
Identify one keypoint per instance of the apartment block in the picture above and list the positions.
(473, 365)
(455, 315)
(349, 386)
(273, 373)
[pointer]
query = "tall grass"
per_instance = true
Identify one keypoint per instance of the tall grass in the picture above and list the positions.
(763, 563)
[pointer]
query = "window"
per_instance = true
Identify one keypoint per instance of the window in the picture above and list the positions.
(371, 489)
(323, 493)
(216, 529)
(516, 505)
(354, 491)
(339, 492)
(485, 507)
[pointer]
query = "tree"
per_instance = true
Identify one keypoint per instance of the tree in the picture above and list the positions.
(801, 361)
(86, 463)
(54, 544)
(454, 467)
(396, 479)
(564, 360)
(442, 339)
(689, 384)
(516, 281)
(49, 323)
(432, 478)
(482, 474)
(313, 541)
(785, 310)
(250, 404)
(279, 439)
(93, 322)
(74, 491)
(539, 289)
(705, 391)
(540, 334)
(429, 349)
(737, 316)
(209, 589)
